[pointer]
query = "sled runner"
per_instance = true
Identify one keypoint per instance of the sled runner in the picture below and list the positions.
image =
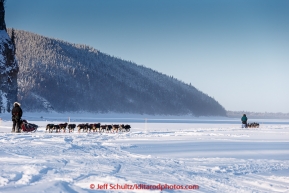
(27, 127)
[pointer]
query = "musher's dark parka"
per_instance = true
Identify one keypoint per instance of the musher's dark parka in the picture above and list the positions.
(16, 116)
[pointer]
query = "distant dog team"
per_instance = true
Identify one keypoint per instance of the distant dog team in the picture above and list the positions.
(244, 120)
(253, 125)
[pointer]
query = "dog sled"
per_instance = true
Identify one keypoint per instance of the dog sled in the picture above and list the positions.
(27, 127)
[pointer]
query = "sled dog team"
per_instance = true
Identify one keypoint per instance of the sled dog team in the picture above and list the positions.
(244, 120)
(20, 125)
(253, 125)
(95, 127)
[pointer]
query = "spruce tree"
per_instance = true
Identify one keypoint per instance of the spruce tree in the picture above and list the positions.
(13, 40)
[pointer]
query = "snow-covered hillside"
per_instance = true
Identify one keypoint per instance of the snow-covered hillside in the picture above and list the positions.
(72, 78)
(215, 157)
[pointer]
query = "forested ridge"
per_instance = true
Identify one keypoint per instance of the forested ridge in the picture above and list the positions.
(55, 75)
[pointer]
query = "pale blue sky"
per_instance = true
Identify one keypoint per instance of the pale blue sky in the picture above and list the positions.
(236, 51)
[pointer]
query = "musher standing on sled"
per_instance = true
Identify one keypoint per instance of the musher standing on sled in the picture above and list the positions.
(16, 117)
(244, 121)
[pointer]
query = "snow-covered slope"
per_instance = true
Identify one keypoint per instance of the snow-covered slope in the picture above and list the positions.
(80, 78)
(215, 157)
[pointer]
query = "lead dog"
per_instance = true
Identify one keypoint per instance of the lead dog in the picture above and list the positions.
(125, 128)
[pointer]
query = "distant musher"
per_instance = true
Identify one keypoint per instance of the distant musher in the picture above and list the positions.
(244, 121)
(16, 117)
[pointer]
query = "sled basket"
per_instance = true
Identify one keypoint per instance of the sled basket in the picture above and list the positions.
(28, 127)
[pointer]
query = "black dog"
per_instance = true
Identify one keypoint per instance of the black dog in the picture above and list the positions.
(81, 127)
(124, 128)
(94, 127)
(71, 127)
(49, 127)
(62, 126)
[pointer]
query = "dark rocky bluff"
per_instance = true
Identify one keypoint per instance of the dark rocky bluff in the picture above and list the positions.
(8, 66)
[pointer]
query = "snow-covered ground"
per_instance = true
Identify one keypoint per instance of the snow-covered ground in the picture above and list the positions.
(217, 155)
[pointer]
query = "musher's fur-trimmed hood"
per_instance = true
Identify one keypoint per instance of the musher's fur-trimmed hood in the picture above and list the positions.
(16, 103)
